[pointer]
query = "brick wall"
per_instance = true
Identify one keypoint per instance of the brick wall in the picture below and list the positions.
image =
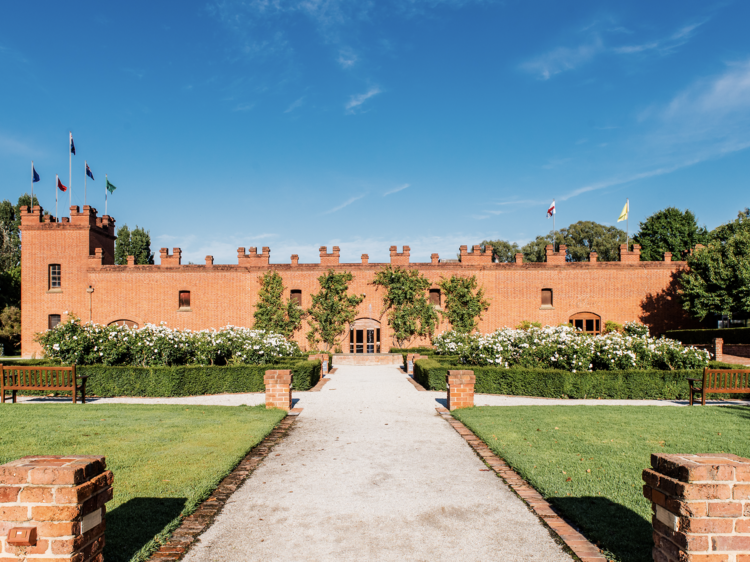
(226, 294)
(701, 507)
(63, 499)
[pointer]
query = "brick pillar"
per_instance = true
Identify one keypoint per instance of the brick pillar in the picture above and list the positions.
(460, 389)
(718, 345)
(278, 389)
(323, 364)
(699, 512)
(411, 358)
(62, 499)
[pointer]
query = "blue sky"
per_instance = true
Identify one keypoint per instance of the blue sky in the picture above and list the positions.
(432, 123)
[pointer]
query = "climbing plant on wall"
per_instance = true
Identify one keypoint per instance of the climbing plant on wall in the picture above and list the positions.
(409, 311)
(272, 313)
(332, 309)
(464, 302)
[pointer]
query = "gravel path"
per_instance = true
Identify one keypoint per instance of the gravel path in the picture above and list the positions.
(371, 472)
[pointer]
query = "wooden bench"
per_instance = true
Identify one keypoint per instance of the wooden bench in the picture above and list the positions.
(41, 378)
(720, 381)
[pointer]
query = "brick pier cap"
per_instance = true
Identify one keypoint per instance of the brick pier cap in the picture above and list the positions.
(63, 498)
(701, 507)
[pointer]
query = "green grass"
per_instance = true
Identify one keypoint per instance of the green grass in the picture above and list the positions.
(587, 460)
(166, 459)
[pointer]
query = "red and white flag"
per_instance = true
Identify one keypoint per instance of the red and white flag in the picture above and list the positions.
(60, 185)
(551, 210)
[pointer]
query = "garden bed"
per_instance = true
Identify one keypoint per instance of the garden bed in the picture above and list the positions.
(587, 460)
(166, 459)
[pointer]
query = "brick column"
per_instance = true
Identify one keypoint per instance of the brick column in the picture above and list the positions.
(278, 389)
(62, 499)
(701, 507)
(718, 345)
(460, 389)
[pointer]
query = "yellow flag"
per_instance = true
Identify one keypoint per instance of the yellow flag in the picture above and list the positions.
(624, 214)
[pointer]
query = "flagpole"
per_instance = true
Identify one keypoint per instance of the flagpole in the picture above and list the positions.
(85, 165)
(105, 193)
(57, 179)
(554, 228)
(31, 206)
(70, 169)
(627, 226)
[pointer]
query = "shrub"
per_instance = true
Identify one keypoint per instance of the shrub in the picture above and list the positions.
(610, 327)
(150, 346)
(564, 348)
(552, 383)
(526, 325)
(636, 329)
(729, 335)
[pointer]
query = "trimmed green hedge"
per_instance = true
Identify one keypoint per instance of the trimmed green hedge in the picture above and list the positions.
(549, 383)
(162, 382)
(729, 335)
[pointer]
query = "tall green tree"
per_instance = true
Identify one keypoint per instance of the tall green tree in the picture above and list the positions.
(669, 230)
(464, 302)
(717, 280)
(502, 250)
(581, 238)
(409, 312)
(136, 243)
(273, 313)
(333, 308)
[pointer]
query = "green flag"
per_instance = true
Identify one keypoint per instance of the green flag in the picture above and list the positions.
(111, 188)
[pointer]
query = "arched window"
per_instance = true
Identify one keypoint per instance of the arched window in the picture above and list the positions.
(128, 323)
(587, 322)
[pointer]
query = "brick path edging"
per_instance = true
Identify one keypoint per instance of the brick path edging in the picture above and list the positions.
(575, 541)
(201, 519)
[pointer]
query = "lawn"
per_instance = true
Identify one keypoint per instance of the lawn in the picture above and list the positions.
(587, 460)
(166, 459)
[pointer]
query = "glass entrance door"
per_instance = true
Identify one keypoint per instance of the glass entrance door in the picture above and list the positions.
(364, 341)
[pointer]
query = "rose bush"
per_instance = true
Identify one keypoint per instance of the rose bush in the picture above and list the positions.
(563, 347)
(150, 346)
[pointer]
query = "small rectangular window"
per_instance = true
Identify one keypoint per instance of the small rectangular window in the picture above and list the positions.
(54, 276)
(184, 299)
(53, 320)
(296, 296)
(546, 297)
(435, 297)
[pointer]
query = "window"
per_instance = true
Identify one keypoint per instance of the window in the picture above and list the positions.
(547, 297)
(296, 296)
(184, 299)
(53, 320)
(587, 322)
(54, 276)
(435, 297)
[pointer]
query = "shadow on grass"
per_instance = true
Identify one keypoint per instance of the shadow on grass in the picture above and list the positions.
(133, 524)
(614, 527)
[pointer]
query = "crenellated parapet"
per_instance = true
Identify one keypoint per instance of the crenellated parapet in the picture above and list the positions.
(401, 258)
(476, 256)
(254, 258)
(329, 259)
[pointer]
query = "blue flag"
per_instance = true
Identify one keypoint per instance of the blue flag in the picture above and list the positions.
(88, 172)
(34, 175)
(72, 145)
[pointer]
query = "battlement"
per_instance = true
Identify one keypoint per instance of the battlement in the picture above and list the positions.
(253, 258)
(329, 259)
(170, 261)
(400, 258)
(476, 256)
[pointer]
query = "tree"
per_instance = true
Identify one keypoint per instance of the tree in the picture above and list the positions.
(10, 251)
(136, 243)
(332, 309)
(272, 313)
(717, 280)
(502, 251)
(409, 311)
(464, 303)
(10, 327)
(669, 230)
(581, 238)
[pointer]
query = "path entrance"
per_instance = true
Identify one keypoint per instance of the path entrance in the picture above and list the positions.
(371, 472)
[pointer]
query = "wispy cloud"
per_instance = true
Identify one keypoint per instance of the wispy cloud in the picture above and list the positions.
(242, 107)
(347, 58)
(562, 58)
(295, 105)
(357, 100)
(344, 204)
(18, 147)
(396, 190)
(556, 162)
(663, 46)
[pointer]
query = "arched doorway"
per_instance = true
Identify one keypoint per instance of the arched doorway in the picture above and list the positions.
(587, 322)
(364, 336)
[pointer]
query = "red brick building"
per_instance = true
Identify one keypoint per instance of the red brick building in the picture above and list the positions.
(68, 267)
